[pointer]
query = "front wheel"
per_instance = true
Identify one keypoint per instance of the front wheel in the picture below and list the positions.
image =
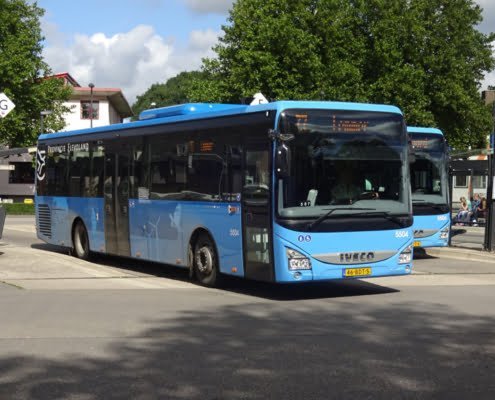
(80, 241)
(206, 262)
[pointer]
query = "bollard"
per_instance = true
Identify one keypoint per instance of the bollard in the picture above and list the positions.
(2, 219)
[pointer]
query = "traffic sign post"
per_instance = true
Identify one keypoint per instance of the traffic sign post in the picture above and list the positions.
(6, 105)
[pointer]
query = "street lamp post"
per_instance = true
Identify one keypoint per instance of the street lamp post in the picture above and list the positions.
(43, 114)
(91, 86)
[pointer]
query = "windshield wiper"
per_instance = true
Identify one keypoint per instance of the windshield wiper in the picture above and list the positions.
(384, 214)
(325, 216)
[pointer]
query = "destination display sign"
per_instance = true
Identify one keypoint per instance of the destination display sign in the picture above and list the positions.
(427, 142)
(342, 122)
(336, 123)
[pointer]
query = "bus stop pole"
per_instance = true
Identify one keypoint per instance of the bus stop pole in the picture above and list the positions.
(490, 221)
(451, 192)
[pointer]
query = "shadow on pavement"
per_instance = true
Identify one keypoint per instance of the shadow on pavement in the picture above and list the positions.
(421, 254)
(305, 291)
(344, 350)
(51, 248)
(271, 291)
(458, 231)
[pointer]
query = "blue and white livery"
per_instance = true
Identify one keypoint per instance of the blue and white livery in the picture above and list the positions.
(429, 186)
(289, 191)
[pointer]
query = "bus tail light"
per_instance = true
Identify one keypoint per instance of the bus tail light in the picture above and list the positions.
(405, 257)
(297, 260)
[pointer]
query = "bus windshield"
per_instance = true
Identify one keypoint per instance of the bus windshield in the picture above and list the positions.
(349, 161)
(429, 184)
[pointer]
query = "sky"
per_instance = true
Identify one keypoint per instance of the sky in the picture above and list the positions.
(131, 44)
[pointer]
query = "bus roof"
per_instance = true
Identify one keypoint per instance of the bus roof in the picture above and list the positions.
(195, 111)
(415, 129)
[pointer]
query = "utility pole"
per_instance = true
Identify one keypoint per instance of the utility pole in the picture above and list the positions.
(91, 87)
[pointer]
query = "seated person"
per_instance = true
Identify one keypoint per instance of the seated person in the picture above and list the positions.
(481, 211)
(463, 215)
(475, 208)
(483, 208)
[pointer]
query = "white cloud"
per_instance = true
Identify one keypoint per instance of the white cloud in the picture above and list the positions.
(487, 26)
(488, 23)
(489, 79)
(209, 6)
(132, 61)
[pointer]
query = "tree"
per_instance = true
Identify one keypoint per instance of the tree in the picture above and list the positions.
(174, 91)
(23, 75)
(425, 56)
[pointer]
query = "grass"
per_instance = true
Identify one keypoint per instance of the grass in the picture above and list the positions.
(18, 209)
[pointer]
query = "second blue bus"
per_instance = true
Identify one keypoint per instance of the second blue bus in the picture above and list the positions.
(430, 187)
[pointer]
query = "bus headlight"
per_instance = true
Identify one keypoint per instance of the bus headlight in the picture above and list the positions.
(297, 260)
(405, 256)
(444, 233)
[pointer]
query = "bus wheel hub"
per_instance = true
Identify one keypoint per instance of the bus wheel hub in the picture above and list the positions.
(204, 260)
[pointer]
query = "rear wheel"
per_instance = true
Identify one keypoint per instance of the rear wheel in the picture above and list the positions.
(206, 262)
(80, 241)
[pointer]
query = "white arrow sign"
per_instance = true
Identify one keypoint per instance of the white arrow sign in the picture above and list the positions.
(258, 98)
(6, 105)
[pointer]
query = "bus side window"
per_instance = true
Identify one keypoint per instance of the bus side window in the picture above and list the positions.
(234, 154)
(97, 163)
(138, 176)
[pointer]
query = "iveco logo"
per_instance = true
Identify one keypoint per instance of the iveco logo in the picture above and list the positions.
(348, 258)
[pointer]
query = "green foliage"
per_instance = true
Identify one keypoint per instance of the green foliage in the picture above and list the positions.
(18, 209)
(425, 56)
(174, 91)
(23, 73)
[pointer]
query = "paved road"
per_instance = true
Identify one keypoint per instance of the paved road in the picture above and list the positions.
(121, 329)
(468, 236)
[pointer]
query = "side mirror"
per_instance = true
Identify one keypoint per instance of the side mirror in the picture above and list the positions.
(282, 160)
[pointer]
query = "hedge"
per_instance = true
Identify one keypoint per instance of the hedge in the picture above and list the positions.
(18, 208)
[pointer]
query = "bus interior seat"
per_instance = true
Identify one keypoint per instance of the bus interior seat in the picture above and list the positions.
(312, 194)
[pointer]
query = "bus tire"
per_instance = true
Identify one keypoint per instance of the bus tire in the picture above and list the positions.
(80, 241)
(206, 261)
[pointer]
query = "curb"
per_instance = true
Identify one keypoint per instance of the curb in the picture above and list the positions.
(460, 253)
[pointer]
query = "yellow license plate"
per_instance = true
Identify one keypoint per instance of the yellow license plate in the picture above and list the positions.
(417, 243)
(348, 272)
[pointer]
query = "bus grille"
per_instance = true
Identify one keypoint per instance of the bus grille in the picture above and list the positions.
(45, 220)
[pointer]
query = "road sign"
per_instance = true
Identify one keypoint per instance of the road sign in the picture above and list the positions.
(6, 105)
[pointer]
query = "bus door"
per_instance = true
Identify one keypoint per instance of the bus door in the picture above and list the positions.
(256, 216)
(116, 195)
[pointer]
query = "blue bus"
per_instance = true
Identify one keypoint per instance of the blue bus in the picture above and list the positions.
(430, 187)
(290, 191)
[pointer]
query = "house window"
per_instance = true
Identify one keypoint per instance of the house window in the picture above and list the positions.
(86, 109)
(479, 182)
(23, 172)
(460, 181)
